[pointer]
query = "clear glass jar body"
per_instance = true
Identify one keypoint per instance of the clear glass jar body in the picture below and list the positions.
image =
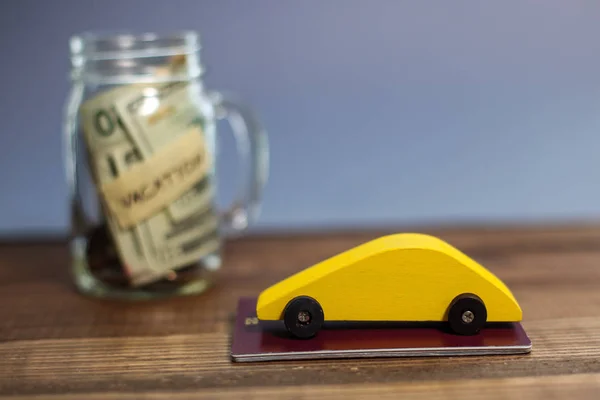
(134, 99)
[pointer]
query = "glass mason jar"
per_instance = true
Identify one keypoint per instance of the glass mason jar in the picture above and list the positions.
(140, 144)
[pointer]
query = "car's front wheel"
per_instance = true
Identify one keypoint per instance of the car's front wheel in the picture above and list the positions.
(467, 314)
(303, 317)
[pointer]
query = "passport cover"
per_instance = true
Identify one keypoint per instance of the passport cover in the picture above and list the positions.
(255, 340)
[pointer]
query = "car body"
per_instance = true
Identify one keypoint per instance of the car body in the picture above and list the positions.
(401, 277)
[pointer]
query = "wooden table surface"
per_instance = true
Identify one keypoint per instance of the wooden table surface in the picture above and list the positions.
(56, 344)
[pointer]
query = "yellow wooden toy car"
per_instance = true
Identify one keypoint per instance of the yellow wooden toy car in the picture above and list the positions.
(401, 277)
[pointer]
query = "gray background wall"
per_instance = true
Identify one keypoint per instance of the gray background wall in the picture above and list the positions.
(389, 111)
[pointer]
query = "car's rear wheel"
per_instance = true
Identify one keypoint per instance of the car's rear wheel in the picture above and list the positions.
(467, 314)
(303, 317)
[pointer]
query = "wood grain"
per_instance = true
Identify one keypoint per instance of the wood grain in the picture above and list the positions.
(546, 387)
(55, 343)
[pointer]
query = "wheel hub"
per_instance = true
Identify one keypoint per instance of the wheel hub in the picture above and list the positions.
(468, 317)
(304, 317)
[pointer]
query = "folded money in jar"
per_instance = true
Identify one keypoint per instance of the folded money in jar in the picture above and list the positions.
(142, 134)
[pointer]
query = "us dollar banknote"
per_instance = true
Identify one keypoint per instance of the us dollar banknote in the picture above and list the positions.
(117, 140)
(110, 163)
(170, 245)
(106, 141)
(156, 116)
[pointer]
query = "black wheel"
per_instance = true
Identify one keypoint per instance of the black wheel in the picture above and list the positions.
(303, 317)
(467, 314)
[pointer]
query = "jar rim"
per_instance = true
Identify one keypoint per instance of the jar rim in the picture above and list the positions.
(118, 44)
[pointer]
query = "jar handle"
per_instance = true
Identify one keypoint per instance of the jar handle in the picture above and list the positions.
(253, 150)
